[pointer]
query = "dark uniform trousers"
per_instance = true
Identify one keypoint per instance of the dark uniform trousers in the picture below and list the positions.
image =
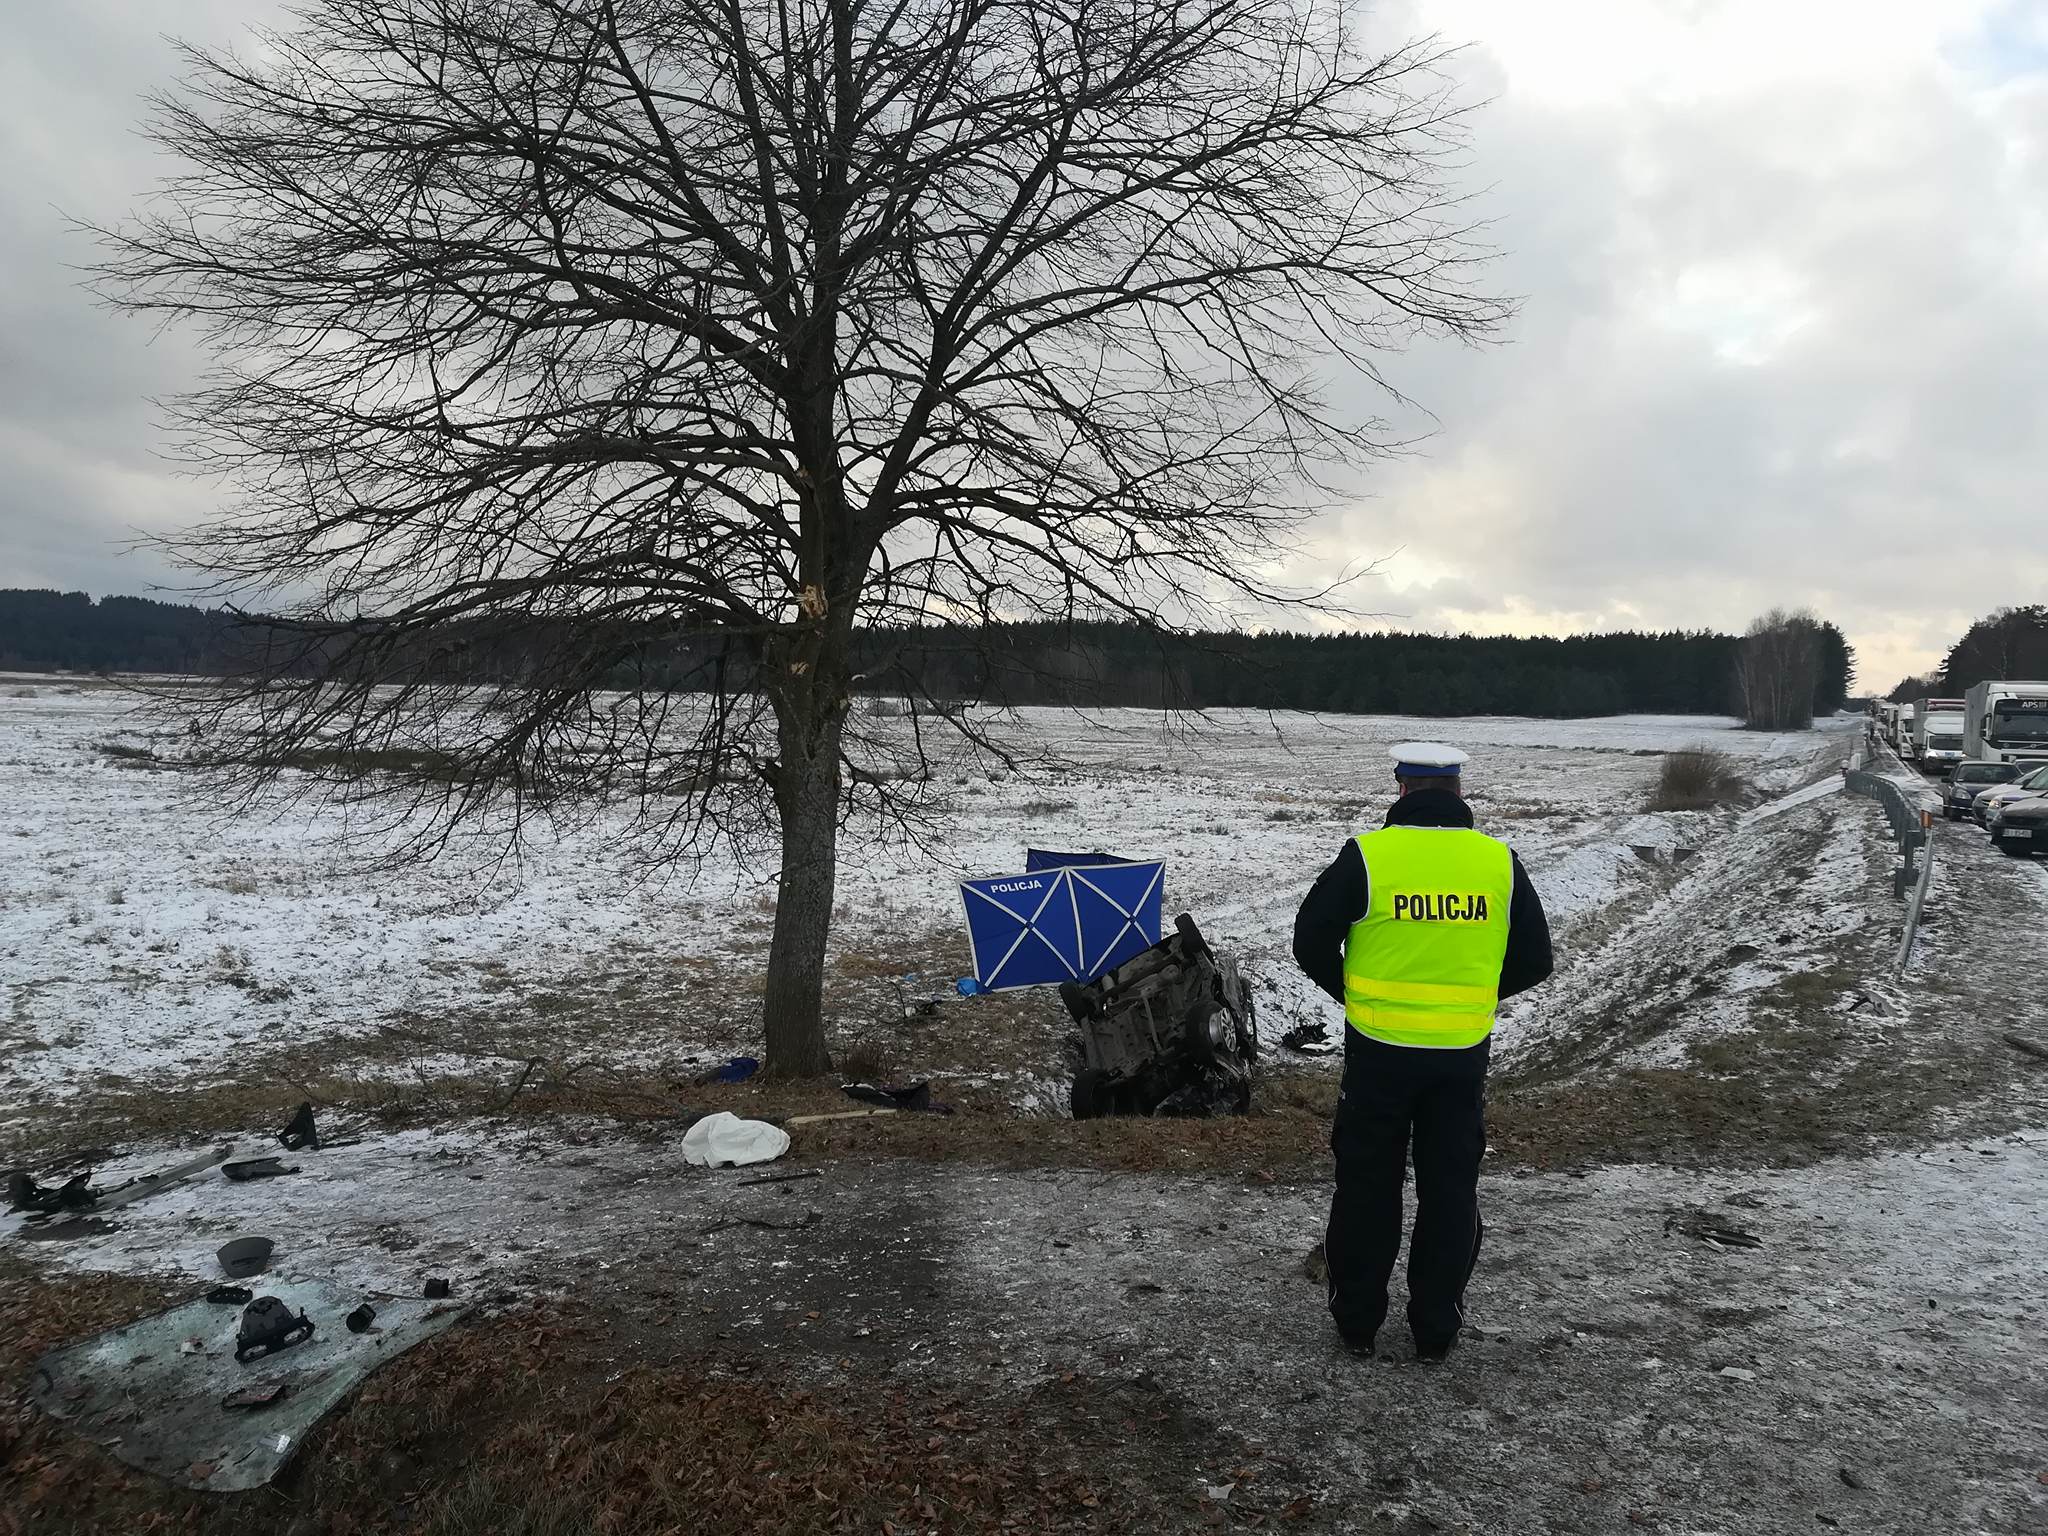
(1394, 1096)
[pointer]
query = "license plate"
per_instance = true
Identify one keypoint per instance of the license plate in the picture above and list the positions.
(2021, 831)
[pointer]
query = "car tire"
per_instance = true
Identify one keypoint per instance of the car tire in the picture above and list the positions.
(1090, 1098)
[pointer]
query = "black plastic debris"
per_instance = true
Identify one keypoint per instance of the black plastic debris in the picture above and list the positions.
(909, 1097)
(69, 1222)
(251, 1398)
(269, 1326)
(300, 1132)
(1712, 1229)
(229, 1295)
(244, 1256)
(438, 1289)
(256, 1168)
(1309, 1039)
(359, 1321)
(25, 1194)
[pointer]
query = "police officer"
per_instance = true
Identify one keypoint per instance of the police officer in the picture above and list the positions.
(1419, 930)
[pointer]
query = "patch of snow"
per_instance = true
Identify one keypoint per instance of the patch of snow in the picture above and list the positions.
(1815, 791)
(144, 942)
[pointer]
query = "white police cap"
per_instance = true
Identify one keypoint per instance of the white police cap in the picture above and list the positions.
(1426, 759)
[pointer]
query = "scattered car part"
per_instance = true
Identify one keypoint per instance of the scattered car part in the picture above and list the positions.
(1710, 1227)
(25, 1194)
(842, 1114)
(267, 1326)
(251, 1398)
(299, 1131)
(1169, 1032)
(229, 1295)
(736, 1070)
(129, 1391)
(74, 1224)
(256, 1168)
(245, 1256)
(1309, 1039)
(915, 1097)
(438, 1289)
(359, 1321)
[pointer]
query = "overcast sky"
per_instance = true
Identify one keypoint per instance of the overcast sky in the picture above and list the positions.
(1783, 338)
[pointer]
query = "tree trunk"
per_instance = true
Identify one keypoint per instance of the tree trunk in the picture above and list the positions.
(808, 797)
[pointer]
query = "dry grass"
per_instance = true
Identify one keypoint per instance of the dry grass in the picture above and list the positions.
(448, 1441)
(857, 964)
(1286, 1136)
(866, 1060)
(1695, 779)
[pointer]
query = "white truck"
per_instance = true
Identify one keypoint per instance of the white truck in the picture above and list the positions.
(1937, 734)
(2006, 723)
(1898, 728)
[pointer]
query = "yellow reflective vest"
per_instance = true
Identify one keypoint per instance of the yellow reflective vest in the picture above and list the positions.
(1422, 967)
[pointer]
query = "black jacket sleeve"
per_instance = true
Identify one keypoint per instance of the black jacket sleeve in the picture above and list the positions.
(1335, 902)
(1528, 959)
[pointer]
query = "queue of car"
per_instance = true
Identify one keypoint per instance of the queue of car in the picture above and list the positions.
(1990, 750)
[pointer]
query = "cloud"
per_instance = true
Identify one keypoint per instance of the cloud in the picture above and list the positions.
(1785, 309)
(81, 466)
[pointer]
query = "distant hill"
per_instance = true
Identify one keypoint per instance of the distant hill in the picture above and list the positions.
(1103, 665)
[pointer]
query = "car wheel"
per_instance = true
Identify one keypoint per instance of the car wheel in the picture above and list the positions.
(1091, 1098)
(1196, 1032)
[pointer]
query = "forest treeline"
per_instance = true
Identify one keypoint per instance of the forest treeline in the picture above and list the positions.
(1091, 664)
(2006, 645)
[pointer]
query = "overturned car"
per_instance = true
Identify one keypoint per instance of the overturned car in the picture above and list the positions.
(1168, 1032)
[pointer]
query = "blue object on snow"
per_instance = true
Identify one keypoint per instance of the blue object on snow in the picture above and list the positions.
(738, 1070)
(1036, 859)
(1070, 923)
(967, 986)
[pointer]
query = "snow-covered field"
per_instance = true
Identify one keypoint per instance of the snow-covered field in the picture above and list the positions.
(1723, 1009)
(147, 939)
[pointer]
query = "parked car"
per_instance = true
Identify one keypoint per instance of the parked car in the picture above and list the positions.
(1966, 781)
(2020, 827)
(2034, 783)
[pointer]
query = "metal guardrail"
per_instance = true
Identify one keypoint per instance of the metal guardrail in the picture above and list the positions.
(1908, 821)
(1913, 909)
(1913, 827)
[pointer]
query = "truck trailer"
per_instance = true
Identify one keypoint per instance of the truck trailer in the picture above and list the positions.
(2006, 722)
(1937, 734)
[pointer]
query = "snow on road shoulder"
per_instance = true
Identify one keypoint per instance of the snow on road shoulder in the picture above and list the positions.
(1766, 902)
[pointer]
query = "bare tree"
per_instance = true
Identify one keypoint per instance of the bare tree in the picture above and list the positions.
(1777, 667)
(593, 373)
